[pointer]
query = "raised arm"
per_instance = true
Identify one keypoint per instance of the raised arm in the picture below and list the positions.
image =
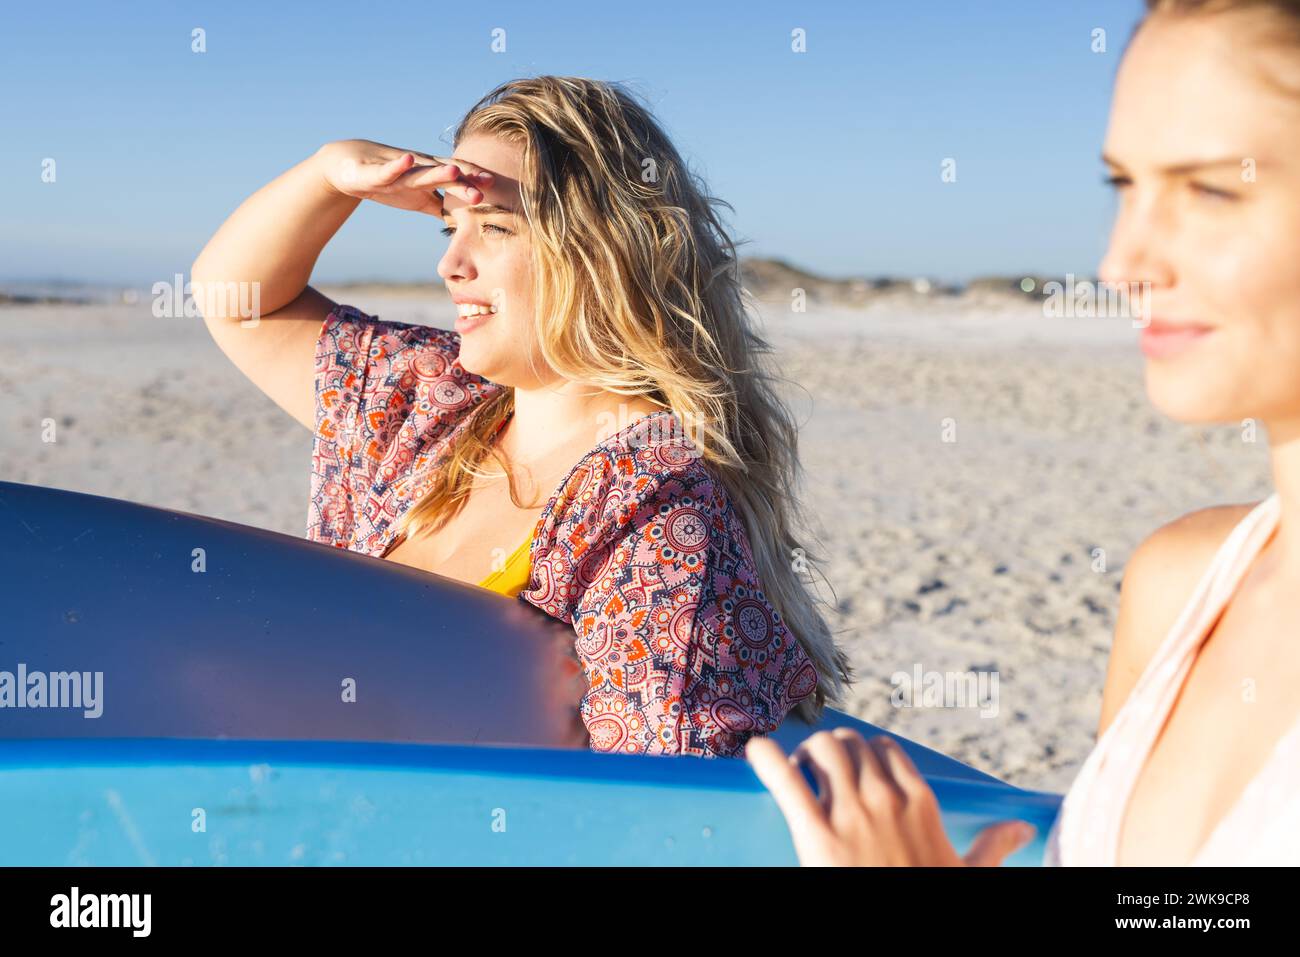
(264, 254)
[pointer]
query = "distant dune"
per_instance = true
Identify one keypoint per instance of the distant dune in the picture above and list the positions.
(776, 281)
(765, 279)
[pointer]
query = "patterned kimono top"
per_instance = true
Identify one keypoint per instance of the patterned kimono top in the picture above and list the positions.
(639, 549)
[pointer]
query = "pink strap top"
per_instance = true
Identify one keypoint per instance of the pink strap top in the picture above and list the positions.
(1263, 827)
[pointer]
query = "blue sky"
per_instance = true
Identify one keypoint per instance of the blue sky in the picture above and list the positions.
(831, 158)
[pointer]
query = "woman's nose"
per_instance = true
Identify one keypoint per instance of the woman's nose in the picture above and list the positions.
(455, 264)
(1138, 251)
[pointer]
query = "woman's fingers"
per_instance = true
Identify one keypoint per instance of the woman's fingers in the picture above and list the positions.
(918, 819)
(446, 178)
(997, 842)
(432, 183)
(471, 171)
(902, 774)
(430, 177)
(430, 202)
(826, 753)
(874, 805)
(917, 804)
(866, 766)
(782, 777)
(383, 174)
(409, 168)
(458, 176)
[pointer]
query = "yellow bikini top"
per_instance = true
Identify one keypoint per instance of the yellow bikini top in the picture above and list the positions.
(513, 576)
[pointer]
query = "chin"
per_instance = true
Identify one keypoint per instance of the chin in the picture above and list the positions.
(1190, 399)
(478, 361)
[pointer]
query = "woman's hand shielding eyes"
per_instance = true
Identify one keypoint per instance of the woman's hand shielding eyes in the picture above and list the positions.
(403, 179)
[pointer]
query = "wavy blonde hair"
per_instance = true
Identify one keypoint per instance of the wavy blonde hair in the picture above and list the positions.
(638, 292)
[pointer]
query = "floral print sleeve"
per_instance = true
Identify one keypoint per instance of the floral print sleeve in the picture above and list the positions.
(640, 549)
(645, 555)
(389, 397)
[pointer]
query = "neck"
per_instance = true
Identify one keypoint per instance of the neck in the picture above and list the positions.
(561, 414)
(1284, 454)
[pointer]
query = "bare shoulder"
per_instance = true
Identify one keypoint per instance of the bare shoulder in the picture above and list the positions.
(1158, 580)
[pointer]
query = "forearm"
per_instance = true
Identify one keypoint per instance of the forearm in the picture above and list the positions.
(276, 235)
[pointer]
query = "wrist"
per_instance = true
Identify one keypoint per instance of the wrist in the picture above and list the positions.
(330, 164)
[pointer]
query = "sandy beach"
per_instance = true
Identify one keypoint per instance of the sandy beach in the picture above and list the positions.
(979, 474)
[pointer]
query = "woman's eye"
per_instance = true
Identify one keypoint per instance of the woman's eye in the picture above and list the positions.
(449, 230)
(1210, 192)
(1117, 182)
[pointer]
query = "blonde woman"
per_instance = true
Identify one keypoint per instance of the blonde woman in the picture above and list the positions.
(600, 435)
(1198, 752)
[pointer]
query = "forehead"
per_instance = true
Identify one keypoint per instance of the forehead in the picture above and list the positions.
(501, 159)
(1190, 88)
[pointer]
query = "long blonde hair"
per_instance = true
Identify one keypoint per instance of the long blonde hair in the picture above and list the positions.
(638, 292)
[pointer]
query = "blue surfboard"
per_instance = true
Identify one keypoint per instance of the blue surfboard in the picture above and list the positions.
(225, 735)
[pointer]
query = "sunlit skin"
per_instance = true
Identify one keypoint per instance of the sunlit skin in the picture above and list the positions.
(488, 259)
(1222, 256)
(1188, 127)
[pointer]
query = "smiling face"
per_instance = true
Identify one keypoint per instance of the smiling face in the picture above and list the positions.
(488, 262)
(1205, 154)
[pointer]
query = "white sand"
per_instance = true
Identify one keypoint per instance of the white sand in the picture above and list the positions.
(951, 556)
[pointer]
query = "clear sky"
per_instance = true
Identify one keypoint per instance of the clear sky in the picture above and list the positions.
(831, 157)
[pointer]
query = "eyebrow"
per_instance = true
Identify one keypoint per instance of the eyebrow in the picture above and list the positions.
(1178, 169)
(488, 209)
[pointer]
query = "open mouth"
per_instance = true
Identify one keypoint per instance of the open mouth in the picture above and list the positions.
(471, 315)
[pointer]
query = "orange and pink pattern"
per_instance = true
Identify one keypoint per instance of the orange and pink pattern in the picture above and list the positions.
(640, 548)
